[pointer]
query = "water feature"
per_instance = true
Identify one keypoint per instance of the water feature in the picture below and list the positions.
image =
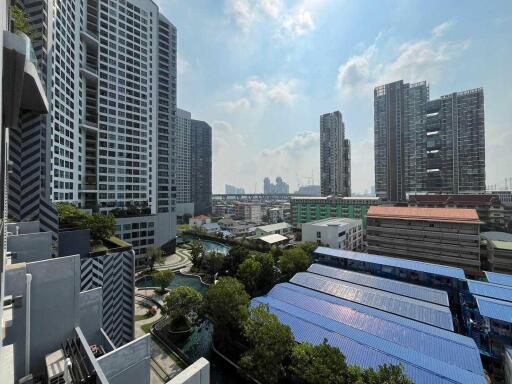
(179, 281)
(209, 245)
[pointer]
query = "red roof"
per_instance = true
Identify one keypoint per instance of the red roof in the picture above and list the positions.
(201, 217)
(454, 215)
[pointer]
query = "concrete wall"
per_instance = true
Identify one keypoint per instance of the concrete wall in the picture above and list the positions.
(75, 243)
(91, 314)
(197, 373)
(30, 247)
(23, 227)
(129, 364)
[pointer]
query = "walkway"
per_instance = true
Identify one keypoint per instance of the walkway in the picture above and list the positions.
(176, 261)
(163, 366)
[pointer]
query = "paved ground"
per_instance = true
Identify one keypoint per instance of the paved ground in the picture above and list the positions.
(163, 366)
(176, 261)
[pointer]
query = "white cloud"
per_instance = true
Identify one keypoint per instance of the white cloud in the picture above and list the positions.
(236, 105)
(442, 28)
(301, 141)
(296, 21)
(273, 8)
(411, 61)
(299, 23)
(257, 93)
(243, 13)
(182, 65)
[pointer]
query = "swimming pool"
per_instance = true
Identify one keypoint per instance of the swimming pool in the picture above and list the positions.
(209, 245)
(179, 281)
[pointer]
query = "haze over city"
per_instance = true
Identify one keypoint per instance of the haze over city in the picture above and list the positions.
(262, 72)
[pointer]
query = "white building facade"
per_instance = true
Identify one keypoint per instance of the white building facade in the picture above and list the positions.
(338, 233)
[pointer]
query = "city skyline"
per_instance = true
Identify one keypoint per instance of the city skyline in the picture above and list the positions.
(264, 102)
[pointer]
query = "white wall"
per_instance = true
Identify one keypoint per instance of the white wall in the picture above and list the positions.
(197, 373)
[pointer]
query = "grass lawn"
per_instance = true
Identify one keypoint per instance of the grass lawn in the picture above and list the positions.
(147, 327)
(142, 317)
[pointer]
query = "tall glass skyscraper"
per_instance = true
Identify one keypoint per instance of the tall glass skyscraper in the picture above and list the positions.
(427, 146)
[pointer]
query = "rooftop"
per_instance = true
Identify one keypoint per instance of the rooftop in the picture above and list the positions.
(450, 215)
(428, 313)
(494, 291)
(201, 217)
(454, 199)
(273, 239)
(370, 198)
(370, 337)
(499, 278)
(418, 266)
(334, 221)
(504, 245)
(494, 309)
(274, 227)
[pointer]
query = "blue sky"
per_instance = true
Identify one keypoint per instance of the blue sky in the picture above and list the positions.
(262, 71)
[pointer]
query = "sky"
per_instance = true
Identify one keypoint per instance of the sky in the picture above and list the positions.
(261, 72)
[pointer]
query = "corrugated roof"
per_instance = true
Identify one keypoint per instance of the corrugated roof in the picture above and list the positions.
(391, 317)
(460, 355)
(505, 245)
(494, 291)
(431, 295)
(428, 313)
(459, 215)
(494, 309)
(499, 278)
(274, 227)
(418, 266)
(366, 350)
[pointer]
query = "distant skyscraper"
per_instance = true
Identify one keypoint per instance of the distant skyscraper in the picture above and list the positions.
(334, 156)
(424, 146)
(232, 190)
(201, 167)
(280, 187)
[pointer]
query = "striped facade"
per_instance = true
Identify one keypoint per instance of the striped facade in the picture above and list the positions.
(115, 274)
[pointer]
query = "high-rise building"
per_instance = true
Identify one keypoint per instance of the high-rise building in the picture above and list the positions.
(110, 68)
(334, 156)
(280, 187)
(183, 132)
(425, 146)
(267, 186)
(201, 167)
(232, 190)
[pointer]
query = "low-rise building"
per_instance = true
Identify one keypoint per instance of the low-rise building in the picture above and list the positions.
(307, 209)
(335, 232)
(274, 240)
(448, 236)
(250, 212)
(271, 229)
(497, 251)
(489, 207)
(275, 215)
(236, 227)
(199, 221)
(211, 228)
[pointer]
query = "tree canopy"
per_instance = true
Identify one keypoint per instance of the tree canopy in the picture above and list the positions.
(155, 256)
(183, 306)
(270, 341)
(236, 255)
(196, 253)
(101, 225)
(162, 279)
(294, 260)
(227, 305)
(249, 274)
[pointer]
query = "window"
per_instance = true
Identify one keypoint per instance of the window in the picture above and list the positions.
(319, 235)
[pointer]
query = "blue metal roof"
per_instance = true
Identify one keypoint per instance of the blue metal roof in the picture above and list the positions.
(494, 309)
(428, 313)
(403, 321)
(460, 355)
(431, 295)
(436, 269)
(495, 291)
(499, 278)
(366, 350)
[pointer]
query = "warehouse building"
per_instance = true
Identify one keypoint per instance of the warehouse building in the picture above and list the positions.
(447, 236)
(374, 320)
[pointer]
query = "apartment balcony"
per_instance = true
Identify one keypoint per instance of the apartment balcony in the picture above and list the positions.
(89, 124)
(89, 72)
(89, 37)
(22, 86)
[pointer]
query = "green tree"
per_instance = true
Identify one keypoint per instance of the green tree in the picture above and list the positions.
(308, 247)
(268, 275)
(271, 343)
(276, 253)
(386, 374)
(21, 21)
(162, 279)
(236, 255)
(155, 256)
(294, 260)
(212, 262)
(102, 225)
(196, 252)
(249, 273)
(318, 364)
(183, 306)
(227, 305)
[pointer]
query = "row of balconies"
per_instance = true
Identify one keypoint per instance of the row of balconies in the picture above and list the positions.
(429, 234)
(426, 242)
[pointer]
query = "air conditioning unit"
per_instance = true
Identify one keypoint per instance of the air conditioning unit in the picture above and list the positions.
(57, 368)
